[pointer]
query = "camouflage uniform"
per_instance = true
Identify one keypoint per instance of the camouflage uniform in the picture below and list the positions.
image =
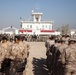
(5, 49)
(48, 45)
(18, 55)
(3, 53)
(27, 47)
(70, 60)
(55, 57)
(60, 59)
(10, 43)
(17, 51)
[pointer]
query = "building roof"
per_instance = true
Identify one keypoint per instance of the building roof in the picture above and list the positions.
(37, 22)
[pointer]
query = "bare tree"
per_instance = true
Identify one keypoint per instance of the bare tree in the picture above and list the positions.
(65, 29)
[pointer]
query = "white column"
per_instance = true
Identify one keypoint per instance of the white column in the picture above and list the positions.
(34, 17)
(39, 18)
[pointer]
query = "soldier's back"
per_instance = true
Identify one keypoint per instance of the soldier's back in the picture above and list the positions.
(62, 47)
(70, 55)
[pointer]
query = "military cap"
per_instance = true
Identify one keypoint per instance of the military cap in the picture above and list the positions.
(57, 40)
(71, 41)
(62, 40)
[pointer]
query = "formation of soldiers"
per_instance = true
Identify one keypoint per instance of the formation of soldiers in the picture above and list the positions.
(61, 55)
(13, 55)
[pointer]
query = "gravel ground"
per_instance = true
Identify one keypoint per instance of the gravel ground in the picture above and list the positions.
(36, 60)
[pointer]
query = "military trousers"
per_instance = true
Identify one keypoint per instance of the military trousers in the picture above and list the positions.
(70, 70)
(17, 67)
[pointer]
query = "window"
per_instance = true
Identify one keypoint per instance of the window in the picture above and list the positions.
(27, 26)
(30, 26)
(46, 26)
(42, 26)
(49, 26)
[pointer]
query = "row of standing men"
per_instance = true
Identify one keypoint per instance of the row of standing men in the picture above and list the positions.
(61, 56)
(13, 55)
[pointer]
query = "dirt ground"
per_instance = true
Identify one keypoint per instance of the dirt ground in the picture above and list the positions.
(37, 59)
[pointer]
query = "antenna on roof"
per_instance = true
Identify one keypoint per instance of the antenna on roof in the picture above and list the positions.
(37, 7)
(29, 18)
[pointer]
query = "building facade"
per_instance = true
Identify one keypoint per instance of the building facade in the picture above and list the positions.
(36, 26)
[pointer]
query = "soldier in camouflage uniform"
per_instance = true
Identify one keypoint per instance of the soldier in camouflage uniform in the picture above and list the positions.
(48, 45)
(26, 47)
(70, 58)
(22, 43)
(55, 55)
(18, 55)
(60, 64)
(5, 49)
(26, 44)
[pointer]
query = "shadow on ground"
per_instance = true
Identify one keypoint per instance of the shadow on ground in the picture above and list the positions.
(39, 67)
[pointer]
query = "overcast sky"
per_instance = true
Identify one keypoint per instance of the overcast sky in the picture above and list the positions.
(60, 11)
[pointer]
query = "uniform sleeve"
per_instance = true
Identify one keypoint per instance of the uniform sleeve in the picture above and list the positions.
(25, 53)
(2, 55)
(63, 57)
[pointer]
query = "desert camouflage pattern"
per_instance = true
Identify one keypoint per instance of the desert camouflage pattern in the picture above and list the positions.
(17, 51)
(70, 60)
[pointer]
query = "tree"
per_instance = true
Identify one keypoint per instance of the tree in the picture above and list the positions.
(65, 29)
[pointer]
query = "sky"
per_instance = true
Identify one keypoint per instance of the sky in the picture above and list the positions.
(62, 12)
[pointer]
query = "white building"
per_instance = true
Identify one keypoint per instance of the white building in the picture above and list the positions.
(9, 30)
(37, 25)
